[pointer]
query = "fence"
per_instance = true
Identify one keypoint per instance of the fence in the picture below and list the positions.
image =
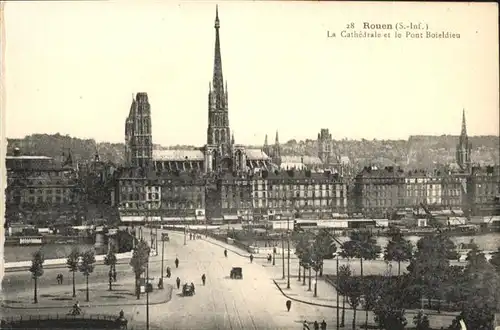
(58, 321)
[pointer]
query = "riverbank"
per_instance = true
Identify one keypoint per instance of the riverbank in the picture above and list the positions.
(11, 266)
(50, 251)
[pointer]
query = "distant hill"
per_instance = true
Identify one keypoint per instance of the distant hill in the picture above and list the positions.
(55, 145)
(419, 151)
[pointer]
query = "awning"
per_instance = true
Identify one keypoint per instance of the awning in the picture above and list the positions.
(201, 218)
(230, 217)
(132, 218)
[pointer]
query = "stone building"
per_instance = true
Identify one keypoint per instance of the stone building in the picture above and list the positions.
(379, 192)
(299, 194)
(484, 190)
(220, 153)
(42, 191)
(143, 195)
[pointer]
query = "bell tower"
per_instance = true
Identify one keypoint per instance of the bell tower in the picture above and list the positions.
(218, 132)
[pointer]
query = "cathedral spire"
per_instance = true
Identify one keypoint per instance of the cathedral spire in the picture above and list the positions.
(218, 81)
(277, 140)
(464, 126)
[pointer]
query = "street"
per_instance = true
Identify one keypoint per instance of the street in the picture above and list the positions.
(250, 303)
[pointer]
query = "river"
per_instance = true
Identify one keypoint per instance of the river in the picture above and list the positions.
(50, 251)
(486, 242)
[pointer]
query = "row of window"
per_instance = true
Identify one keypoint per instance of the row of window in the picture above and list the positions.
(45, 199)
(139, 188)
(48, 191)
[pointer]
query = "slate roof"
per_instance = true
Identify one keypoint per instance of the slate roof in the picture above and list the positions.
(256, 154)
(197, 155)
(307, 160)
(178, 155)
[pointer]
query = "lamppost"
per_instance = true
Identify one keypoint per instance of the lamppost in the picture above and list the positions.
(288, 246)
(156, 240)
(337, 290)
(283, 253)
(185, 233)
(162, 255)
(147, 292)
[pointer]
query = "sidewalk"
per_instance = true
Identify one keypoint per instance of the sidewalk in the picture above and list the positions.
(243, 253)
(123, 294)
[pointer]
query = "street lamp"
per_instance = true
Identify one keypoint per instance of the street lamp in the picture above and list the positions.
(147, 292)
(288, 246)
(185, 233)
(162, 256)
(283, 253)
(337, 290)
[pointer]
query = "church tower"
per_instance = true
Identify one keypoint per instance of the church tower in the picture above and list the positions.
(464, 147)
(218, 132)
(265, 148)
(276, 150)
(138, 136)
(325, 146)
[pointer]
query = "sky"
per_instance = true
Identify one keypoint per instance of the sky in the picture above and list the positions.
(73, 67)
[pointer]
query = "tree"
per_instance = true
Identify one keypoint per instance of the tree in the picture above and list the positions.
(495, 260)
(110, 260)
(398, 249)
(72, 263)
(482, 294)
(343, 283)
(361, 245)
(87, 267)
(139, 261)
(421, 321)
(324, 247)
(354, 291)
(302, 244)
(430, 266)
(371, 290)
(389, 312)
(36, 270)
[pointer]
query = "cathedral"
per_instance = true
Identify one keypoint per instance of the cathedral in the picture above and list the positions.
(220, 153)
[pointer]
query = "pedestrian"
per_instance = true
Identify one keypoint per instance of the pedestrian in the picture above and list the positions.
(58, 279)
(305, 325)
(251, 258)
(323, 325)
(176, 263)
(168, 272)
(178, 282)
(62, 278)
(225, 253)
(288, 305)
(114, 275)
(316, 325)
(203, 278)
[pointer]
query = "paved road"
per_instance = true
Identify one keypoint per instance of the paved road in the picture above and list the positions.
(251, 303)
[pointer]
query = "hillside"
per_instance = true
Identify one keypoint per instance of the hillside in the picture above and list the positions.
(416, 152)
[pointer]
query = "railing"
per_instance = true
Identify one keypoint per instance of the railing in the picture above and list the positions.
(55, 321)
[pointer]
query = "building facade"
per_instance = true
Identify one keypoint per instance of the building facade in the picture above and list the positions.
(42, 191)
(380, 192)
(147, 196)
(484, 190)
(138, 135)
